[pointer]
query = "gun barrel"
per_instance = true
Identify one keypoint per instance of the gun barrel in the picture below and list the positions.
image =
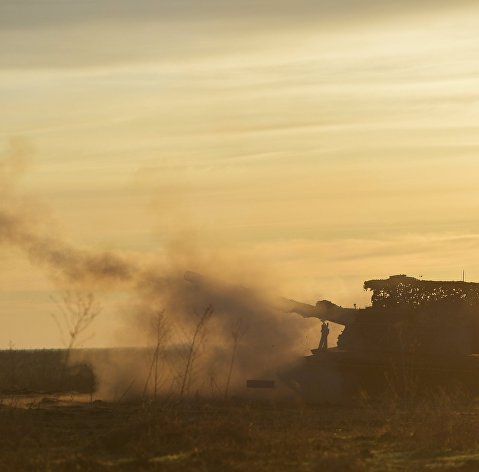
(324, 310)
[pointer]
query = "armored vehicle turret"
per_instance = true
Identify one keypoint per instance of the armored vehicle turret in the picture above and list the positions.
(417, 335)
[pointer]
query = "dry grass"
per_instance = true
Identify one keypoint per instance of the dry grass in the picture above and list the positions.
(437, 432)
(201, 436)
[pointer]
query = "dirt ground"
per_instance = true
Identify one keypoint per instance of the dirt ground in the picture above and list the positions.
(52, 434)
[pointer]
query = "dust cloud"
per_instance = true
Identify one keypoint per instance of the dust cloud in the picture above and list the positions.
(202, 335)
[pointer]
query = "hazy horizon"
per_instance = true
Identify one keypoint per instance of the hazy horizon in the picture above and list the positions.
(309, 146)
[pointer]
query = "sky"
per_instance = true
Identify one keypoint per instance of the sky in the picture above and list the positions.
(315, 144)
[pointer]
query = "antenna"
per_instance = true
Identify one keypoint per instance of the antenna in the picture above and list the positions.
(463, 275)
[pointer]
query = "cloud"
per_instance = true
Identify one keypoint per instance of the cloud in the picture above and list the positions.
(65, 33)
(37, 14)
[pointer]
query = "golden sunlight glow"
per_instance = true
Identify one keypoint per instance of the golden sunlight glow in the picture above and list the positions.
(323, 144)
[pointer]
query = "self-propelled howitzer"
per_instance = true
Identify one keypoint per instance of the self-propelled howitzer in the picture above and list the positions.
(416, 335)
(406, 315)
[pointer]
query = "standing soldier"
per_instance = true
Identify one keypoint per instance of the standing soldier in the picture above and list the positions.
(323, 343)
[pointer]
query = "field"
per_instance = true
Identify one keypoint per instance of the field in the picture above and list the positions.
(46, 430)
(48, 434)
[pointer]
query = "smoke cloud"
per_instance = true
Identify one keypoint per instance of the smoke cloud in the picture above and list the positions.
(241, 337)
(20, 227)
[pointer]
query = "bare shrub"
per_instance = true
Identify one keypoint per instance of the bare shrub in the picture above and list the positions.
(236, 334)
(196, 341)
(160, 329)
(77, 312)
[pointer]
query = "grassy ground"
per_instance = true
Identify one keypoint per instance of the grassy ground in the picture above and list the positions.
(207, 436)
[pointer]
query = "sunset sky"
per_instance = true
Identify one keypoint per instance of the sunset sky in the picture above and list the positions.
(317, 142)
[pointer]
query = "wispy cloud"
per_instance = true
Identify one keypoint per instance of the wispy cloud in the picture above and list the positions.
(331, 140)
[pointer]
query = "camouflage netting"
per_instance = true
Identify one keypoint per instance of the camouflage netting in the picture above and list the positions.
(411, 315)
(403, 291)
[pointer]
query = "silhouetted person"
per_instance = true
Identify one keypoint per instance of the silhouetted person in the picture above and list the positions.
(323, 343)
